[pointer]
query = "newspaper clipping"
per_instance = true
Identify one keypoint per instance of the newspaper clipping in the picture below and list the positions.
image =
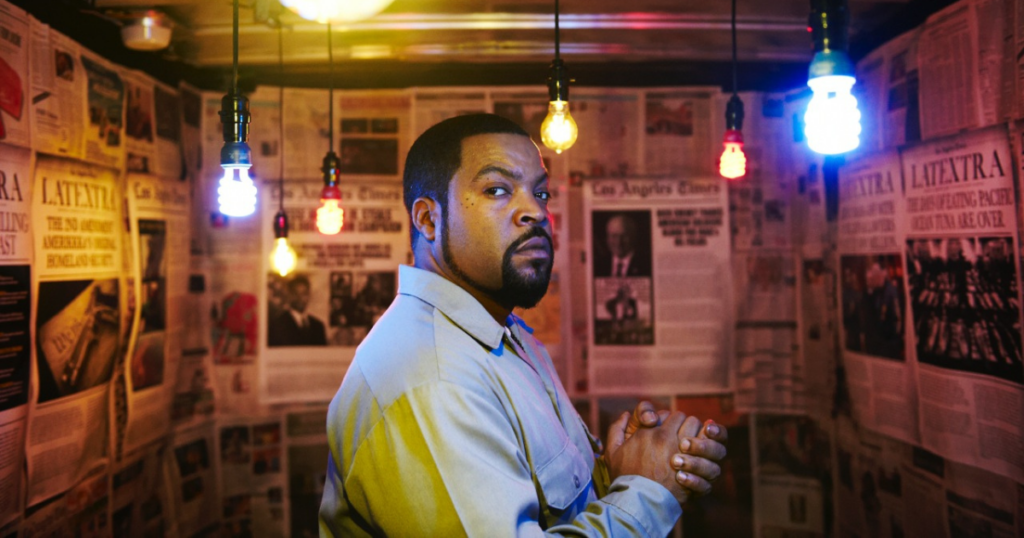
(14, 75)
(105, 96)
(253, 470)
(318, 314)
(76, 215)
(15, 321)
(963, 292)
(58, 93)
(872, 295)
(661, 314)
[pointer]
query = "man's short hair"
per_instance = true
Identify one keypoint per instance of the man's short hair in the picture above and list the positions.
(437, 154)
(298, 280)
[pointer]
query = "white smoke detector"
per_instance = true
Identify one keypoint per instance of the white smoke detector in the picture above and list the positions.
(148, 31)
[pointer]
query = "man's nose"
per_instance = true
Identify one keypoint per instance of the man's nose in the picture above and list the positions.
(530, 210)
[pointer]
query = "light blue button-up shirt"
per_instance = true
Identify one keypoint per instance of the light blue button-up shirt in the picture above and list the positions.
(446, 426)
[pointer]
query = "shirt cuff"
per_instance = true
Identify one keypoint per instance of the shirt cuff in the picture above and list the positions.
(650, 503)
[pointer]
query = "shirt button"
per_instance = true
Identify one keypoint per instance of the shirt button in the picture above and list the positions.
(576, 480)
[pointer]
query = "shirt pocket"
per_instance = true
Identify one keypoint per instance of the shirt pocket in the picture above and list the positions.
(564, 477)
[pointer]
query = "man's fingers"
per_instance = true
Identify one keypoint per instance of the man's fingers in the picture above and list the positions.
(701, 467)
(690, 428)
(662, 415)
(702, 448)
(644, 416)
(714, 430)
(617, 432)
(698, 486)
(674, 421)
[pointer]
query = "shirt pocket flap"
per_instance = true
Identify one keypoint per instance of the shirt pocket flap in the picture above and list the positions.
(564, 477)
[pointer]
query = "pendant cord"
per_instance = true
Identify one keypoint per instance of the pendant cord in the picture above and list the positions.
(734, 47)
(557, 44)
(280, 100)
(234, 41)
(330, 59)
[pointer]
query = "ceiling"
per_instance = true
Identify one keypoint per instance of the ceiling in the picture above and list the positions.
(456, 42)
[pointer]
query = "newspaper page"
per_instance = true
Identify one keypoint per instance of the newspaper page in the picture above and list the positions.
(58, 93)
(996, 59)
(86, 506)
(317, 315)
(194, 396)
(373, 134)
(253, 472)
(104, 114)
(610, 126)
(948, 65)
(76, 212)
(158, 212)
(306, 127)
(433, 105)
(191, 148)
(768, 374)
(15, 321)
(661, 313)
(139, 129)
(307, 463)
(168, 142)
(879, 372)
(191, 470)
(871, 497)
(139, 498)
(15, 37)
(887, 94)
(963, 286)
(265, 135)
(677, 132)
(792, 477)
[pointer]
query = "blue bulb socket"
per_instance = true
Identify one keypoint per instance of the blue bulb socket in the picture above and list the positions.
(830, 63)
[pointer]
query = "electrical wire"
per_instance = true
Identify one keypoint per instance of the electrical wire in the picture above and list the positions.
(734, 47)
(330, 59)
(280, 100)
(557, 44)
(234, 42)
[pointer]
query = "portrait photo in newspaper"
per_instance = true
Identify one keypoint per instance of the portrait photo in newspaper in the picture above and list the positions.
(964, 299)
(623, 298)
(358, 299)
(78, 327)
(289, 321)
(873, 310)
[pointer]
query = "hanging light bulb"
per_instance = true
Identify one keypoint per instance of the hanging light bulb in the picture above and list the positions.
(330, 217)
(733, 163)
(324, 11)
(558, 131)
(283, 258)
(236, 193)
(832, 121)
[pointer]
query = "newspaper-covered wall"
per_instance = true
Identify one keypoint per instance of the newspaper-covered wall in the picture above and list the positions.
(15, 321)
(251, 458)
(313, 319)
(661, 313)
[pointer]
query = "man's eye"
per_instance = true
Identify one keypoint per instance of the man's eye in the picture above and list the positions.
(496, 191)
(543, 195)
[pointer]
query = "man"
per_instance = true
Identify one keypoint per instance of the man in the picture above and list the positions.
(625, 256)
(294, 326)
(623, 305)
(451, 420)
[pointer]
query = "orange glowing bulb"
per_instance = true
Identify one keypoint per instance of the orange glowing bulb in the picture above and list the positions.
(329, 217)
(733, 163)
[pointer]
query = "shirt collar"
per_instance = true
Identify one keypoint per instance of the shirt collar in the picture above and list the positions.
(453, 301)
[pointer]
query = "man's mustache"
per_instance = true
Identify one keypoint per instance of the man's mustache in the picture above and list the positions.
(533, 232)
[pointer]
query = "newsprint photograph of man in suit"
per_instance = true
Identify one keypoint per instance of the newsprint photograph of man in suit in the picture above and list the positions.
(290, 324)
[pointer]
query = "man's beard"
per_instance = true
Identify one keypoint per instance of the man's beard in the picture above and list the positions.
(517, 289)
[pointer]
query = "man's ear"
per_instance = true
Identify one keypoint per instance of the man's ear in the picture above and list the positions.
(426, 215)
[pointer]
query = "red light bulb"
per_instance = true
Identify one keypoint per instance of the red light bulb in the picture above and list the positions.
(733, 163)
(330, 217)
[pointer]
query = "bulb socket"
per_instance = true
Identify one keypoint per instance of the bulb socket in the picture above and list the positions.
(235, 117)
(558, 81)
(828, 22)
(331, 169)
(236, 154)
(733, 136)
(280, 225)
(734, 113)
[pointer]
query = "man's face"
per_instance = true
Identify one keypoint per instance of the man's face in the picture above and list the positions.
(620, 236)
(496, 235)
(300, 297)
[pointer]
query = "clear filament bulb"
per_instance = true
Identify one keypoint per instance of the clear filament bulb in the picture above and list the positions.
(236, 193)
(329, 217)
(283, 257)
(733, 163)
(832, 121)
(558, 131)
